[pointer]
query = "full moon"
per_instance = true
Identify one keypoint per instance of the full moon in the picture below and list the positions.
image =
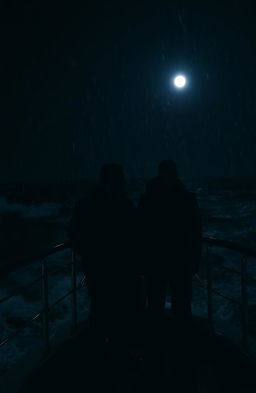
(180, 81)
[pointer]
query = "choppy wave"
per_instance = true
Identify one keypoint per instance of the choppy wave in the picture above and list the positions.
(46, 209)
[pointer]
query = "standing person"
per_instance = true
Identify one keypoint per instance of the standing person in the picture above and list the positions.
(171, 227)
(172, 239)
(101, 232)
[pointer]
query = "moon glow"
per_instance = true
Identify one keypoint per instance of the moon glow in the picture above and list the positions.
(180, 81)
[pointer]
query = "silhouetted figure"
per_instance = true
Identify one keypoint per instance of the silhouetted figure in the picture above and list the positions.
(101, 232)
(171, 228)
(172, 239)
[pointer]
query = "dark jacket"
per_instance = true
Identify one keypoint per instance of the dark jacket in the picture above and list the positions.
(101, 230)
(171, 226)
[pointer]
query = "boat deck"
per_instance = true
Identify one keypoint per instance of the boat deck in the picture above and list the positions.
(184, 361)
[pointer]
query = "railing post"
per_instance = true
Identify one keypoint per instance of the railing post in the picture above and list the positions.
(244, 303)
(209, 289)
(45, 302)
(74, 291)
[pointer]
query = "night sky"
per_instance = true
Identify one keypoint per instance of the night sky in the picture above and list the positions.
(89, 84)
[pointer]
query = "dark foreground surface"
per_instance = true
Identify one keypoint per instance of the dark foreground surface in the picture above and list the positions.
(179, 360)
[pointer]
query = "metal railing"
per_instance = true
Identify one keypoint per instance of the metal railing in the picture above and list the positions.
(245, 252)
(208, 285)
(43, 313)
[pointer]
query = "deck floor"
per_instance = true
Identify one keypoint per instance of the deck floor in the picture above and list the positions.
(194, 361)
